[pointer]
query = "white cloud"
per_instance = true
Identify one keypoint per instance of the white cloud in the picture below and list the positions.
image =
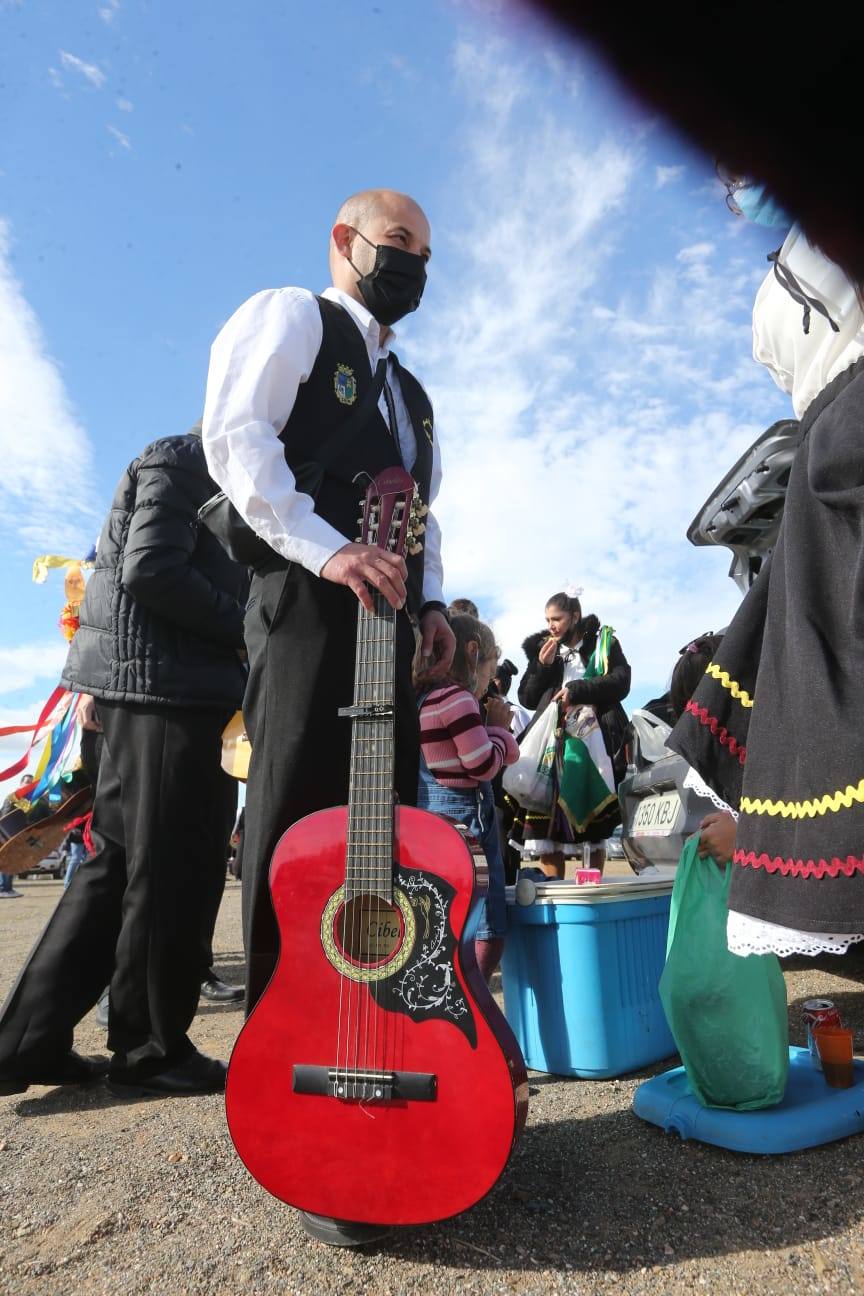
(21, 667)
(125, 105)
(108, 12)
(123, 140)
(89, 71)
(695, 252)
(579, 437)
(664, 175)
(46, 499)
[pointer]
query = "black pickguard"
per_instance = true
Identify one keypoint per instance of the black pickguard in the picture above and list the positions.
(427, 987)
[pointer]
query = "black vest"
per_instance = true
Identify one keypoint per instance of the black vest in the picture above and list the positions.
(339, 379)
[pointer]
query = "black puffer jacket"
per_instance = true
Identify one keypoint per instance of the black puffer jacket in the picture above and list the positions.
(162, 618)
(604, 692)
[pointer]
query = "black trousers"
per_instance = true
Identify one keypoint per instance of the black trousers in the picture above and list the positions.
(140, 914)
(301, 634)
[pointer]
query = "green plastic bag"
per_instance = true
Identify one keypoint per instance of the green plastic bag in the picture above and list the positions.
(727, 1013)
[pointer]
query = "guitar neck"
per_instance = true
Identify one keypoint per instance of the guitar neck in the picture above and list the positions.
(369, 858)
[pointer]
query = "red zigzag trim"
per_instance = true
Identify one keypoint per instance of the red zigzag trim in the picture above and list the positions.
(723, 736)
(800, 867)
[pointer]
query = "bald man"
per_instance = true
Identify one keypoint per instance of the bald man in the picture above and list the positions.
(287, 370)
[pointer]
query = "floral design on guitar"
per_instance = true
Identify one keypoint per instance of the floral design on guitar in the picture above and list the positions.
(428, 987)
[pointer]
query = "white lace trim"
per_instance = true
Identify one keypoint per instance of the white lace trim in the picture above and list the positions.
(746, 935)
(695, 783)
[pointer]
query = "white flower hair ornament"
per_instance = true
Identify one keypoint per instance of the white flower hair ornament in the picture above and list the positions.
(573, 591)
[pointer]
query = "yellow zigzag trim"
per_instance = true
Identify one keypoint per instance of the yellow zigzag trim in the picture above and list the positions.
(830, 802)
(723, 677)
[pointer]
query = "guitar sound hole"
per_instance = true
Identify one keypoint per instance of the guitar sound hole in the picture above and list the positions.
(369, 930)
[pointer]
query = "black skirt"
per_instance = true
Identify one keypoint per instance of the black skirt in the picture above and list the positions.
(777, 724)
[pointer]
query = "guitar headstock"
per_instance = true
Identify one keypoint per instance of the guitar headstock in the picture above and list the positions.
(392, 513)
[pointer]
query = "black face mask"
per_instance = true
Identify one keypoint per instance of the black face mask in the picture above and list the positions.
(394, 285)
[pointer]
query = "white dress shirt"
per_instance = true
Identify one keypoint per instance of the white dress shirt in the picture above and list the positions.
(257, 363)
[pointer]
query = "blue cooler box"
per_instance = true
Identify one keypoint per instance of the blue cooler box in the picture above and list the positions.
(581, 971)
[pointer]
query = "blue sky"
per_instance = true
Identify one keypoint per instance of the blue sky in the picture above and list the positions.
(584, 335)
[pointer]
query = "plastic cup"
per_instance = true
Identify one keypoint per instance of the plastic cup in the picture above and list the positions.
(835, 1051)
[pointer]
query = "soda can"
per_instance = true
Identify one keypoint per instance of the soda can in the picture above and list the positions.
(818, 1013)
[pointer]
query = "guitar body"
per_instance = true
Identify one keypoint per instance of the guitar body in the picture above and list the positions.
(23, 844)
(383, 1001)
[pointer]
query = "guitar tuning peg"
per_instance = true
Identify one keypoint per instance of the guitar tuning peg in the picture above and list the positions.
(423, 510)
(421, 527)
(415, 549)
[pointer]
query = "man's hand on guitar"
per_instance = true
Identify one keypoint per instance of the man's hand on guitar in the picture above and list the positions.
(358, 566)
(438, 644)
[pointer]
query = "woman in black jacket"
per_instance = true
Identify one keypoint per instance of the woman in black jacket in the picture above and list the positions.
(583, 661)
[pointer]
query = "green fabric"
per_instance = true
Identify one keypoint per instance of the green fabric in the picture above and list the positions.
(582, 792)
(727, 1013)
(599, 663)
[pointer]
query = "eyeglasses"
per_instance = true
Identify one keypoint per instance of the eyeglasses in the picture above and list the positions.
(732, 184)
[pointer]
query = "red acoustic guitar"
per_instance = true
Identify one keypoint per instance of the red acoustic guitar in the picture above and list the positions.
(376, 1080)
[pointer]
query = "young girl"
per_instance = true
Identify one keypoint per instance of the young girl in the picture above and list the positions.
(460, 754)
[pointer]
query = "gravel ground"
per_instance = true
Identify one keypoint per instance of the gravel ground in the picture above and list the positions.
(99, 1195)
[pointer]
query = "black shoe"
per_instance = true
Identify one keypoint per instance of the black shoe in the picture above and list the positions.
(196, 1074)
(72, 1070)
(102, 1010)
(219, 991)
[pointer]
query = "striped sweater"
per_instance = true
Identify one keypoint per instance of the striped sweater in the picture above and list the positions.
(458, 748)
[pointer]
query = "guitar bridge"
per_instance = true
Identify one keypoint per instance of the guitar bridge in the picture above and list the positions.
(353, 1084)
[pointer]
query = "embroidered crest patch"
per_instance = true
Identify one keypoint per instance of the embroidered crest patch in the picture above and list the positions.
(427, 428)
(345, 385)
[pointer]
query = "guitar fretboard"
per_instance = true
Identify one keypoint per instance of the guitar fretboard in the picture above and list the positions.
(369, 860)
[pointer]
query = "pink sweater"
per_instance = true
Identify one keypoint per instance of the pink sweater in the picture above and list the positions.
(458, 748)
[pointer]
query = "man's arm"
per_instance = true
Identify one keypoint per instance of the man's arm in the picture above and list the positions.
(257, 363)
(157, 566)
(438, 643)
(433, 569)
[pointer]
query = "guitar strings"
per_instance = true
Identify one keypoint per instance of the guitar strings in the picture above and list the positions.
(346, 935)
(369, 844)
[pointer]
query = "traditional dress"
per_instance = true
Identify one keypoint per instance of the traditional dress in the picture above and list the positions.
(584, 803)
(775, 726)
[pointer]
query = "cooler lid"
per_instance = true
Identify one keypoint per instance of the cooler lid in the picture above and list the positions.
(528, 891)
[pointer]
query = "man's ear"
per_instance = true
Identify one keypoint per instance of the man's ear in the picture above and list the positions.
(343, 237)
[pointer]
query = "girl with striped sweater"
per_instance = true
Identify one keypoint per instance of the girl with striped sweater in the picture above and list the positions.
(460, 754)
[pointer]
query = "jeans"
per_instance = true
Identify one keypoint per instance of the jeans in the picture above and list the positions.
(475, 808)
(75, 855)
(5, 881)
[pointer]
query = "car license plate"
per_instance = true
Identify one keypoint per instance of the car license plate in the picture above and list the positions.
(656, 815)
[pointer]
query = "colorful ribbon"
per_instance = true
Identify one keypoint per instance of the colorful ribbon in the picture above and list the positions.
(59, 697)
